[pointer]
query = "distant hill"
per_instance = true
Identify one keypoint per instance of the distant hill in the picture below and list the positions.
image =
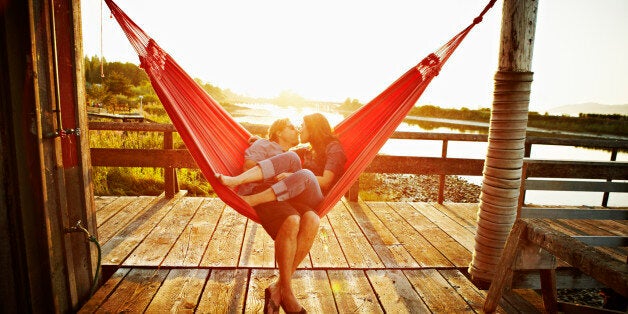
(574, 110)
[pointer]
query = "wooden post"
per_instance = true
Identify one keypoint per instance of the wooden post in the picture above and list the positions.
(606, 194)
(548, 290)
(171, 186)
(504, 271)
(441, 178)
(79, 205)
(522, 192)
(354, 191)
(507, 130)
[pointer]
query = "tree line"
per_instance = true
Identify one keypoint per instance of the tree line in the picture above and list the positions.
(586, 123)
(115, 83)
(126, 83)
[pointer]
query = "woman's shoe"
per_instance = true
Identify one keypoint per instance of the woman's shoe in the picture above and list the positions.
(301, 311)
(268, 301)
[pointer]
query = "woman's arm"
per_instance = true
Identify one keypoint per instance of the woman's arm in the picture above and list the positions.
(326, 179)
(334, 165)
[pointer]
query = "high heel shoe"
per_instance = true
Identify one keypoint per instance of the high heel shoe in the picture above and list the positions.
(301, 311)
(268, 301)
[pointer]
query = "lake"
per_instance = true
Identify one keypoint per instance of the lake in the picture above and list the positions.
(267, 113)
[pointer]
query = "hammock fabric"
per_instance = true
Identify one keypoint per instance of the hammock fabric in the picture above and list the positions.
(217, 142)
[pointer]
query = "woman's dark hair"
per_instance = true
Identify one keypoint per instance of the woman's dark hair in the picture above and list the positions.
(320, 131)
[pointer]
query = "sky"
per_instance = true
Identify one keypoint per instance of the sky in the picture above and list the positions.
(331, 50)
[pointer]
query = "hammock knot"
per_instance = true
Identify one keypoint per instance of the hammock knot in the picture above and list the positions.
(430, 61)
(430, 65)
(153, 61)
(477, 20)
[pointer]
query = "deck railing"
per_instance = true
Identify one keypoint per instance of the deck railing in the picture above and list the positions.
(170, 158)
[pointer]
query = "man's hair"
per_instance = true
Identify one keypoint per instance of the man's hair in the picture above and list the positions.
(276, 127)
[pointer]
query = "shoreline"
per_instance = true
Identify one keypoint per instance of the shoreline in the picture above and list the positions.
(416, 188)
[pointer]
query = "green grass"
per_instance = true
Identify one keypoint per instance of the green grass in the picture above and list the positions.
(124, 181)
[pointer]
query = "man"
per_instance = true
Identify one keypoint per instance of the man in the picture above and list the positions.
(292, 226)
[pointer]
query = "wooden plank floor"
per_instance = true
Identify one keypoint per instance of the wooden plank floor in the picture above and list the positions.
(197, 254)
(204, 232)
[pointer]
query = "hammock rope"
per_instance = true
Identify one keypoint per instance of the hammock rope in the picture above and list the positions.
(217, 142)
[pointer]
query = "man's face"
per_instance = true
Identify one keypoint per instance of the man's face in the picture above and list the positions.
(289, 135)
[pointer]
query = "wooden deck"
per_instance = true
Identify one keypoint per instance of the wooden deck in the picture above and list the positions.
(197, 254)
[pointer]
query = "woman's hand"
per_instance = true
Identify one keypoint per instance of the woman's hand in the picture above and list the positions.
(283, 175)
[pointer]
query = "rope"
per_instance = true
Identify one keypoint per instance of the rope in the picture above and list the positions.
(94, 283)
(479, 18)
(79, 228)
(102, 69)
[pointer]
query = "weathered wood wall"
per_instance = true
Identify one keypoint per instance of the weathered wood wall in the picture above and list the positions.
(44, 172)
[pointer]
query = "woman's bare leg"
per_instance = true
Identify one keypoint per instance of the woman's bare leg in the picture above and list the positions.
(265, 196)
(252, 175)
(285, 249)
(308, 229)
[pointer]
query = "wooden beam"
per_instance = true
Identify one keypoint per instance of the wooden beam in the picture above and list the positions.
(504, 272)
(592, 262)
(577, 169)
(425, 165)
(565, 278)
(563, 185)
(573, 213)
(161, 158)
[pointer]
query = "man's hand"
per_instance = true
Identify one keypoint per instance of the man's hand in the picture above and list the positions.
(253, 138)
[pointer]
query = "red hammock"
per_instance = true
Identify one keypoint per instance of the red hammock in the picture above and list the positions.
(217, 142)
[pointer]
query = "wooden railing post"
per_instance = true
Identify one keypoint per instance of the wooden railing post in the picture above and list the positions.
(441, 178)
(354, 191)
(171, 186)
(606, 194)
(522, 188)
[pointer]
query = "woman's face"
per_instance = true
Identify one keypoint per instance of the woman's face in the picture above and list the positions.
(305, 134)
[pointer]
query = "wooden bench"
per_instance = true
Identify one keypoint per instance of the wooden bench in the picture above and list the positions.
(537, 240)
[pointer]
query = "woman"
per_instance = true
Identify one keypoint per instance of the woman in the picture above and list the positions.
(302, 175)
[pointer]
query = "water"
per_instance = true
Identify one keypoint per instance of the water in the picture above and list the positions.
(267, 113)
